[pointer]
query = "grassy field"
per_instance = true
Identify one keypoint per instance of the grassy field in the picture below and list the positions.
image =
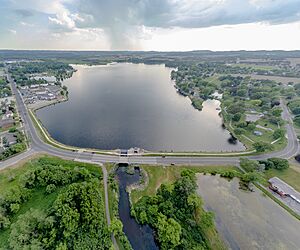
(290, 176)
(255, 67)
(11, 178)
(168, 174)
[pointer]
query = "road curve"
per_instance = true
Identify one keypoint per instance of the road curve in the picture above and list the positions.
(37, 145)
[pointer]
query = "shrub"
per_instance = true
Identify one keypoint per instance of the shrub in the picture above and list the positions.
(249, 165)
(279, 163)
(262, 146)
(50, 188)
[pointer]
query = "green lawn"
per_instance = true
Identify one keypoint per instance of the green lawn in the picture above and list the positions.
(290, 176)
(168, 174)
(255, 67)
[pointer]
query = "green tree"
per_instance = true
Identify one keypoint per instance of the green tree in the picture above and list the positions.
(4, 221)
(116, 227)
(238, 131)
(262, 146)
(249, 177)
(236, 117)
(279, 163)
(50, 188)
(251, 126)
(28, 231)
(169, 232)
(143, 217)
(277, 112)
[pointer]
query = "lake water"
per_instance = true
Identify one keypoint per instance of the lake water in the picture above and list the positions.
(133, 105)
(248, 220)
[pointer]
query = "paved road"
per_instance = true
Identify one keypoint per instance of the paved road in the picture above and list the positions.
(37, 145)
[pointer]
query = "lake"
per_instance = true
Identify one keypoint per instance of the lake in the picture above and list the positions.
(133, 105)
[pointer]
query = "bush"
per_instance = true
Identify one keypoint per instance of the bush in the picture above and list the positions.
(14, 207)
(238, 131)
(262, 146)
(230, 174)
(12, 130)
(236, 117)
(297, 121)
(268, 164)
(279, 163)
(50, 188)
(4, 221)
(249, 165)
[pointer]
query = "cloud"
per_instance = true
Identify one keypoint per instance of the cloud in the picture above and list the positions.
(122, 18)
(24, 13)
(127, 22)
(14, 32)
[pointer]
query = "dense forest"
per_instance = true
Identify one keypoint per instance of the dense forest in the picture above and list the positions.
(54, 204)
(21, 71)
(176, 214)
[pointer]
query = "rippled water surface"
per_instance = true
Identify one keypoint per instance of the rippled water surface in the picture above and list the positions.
(248, 220)
(133, 105)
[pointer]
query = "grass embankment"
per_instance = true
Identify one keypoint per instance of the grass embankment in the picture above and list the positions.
(290, 176)
(168, 174)
(279, 202)
(113, 201)
(281, 170)
(46, 137)
(40, 199)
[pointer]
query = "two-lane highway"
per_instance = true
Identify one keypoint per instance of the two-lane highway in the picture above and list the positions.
(37, 145)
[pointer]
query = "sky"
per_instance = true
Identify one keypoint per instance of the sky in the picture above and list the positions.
(161, 25)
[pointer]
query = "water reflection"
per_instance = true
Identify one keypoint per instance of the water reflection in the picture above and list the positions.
(248, 220)
(133, 105)
(140, 237)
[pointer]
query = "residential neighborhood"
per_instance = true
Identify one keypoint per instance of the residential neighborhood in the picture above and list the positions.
(11, 133)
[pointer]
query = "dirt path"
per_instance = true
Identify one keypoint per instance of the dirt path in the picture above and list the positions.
(104, 171)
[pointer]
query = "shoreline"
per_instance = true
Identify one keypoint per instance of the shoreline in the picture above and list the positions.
(54, 142)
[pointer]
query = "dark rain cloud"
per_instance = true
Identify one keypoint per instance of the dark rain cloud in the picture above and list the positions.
(189, 13)
(120, 18)
(123, 20)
